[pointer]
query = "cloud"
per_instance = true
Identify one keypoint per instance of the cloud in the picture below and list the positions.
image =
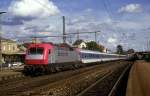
(12, 22)
(111, 31)
(112, 40)
(131, 8)
(52, 24)
(77, 20)
(88, 10)
(129, 25)
(42, 29)
(33, 8)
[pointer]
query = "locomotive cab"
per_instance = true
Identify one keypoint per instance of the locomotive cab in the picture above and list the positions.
(37, 54)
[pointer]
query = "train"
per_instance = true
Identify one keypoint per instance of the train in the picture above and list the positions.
(45, 58)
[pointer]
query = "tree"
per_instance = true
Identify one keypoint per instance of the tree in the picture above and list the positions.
(92, 45)
(119, 49)
(101, 47)
(130, 51)
(147, 57)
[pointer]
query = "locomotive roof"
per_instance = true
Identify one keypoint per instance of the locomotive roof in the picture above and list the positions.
(61, 45)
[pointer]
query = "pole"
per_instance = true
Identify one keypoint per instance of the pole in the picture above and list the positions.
(149, 46)
(64, 33)
(0, 46)
(95, 37)
(1, 42)
(78, 35)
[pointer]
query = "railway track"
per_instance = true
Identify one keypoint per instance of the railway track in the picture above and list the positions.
(74, 85)
(68, 83)
(119, 88)
(69, 86)
(28, 83)
(105, 86)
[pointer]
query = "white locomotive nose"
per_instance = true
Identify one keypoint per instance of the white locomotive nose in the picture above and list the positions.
(35, 57)
(35, 53)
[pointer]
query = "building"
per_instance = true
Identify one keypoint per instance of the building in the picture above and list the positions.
(80, 44)
(105, 50)
(8, 46)
(10, 51)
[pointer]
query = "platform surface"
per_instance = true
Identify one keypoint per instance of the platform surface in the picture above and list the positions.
(139, 79)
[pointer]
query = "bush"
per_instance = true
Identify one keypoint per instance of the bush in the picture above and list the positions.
(147, 58)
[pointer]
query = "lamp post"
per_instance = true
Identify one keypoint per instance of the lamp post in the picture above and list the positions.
(1, 42)
(64, 31)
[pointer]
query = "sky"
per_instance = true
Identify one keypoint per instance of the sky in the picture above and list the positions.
(124, 22)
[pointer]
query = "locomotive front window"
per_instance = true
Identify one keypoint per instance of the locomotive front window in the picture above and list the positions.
(35, 51)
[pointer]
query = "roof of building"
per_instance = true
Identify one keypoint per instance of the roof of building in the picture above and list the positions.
(1, 38)
(78, 42)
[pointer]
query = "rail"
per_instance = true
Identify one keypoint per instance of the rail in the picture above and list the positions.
(94, 84)
(114, 89)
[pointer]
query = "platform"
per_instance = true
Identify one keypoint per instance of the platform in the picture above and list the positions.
(139, 79)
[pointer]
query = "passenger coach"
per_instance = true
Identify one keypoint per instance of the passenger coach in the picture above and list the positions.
(88, 56)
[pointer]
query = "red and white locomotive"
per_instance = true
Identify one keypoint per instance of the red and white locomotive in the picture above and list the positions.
(46, 58)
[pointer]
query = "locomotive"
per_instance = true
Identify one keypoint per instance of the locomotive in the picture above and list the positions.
(44, 58)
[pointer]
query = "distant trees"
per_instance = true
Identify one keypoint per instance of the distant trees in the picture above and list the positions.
(101, 47)
(119, 49)
(130, 51)
(147, 57)
(92, 45)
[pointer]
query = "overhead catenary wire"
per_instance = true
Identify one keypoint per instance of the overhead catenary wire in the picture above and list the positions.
(108, 10)
(110, 15)
(45, 6)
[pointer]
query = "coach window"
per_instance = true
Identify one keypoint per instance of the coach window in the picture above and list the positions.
(100, 56)
(86, 55)
(82, 55)
(104, 56)
(93, 55)
(90, 55)
(96, 55)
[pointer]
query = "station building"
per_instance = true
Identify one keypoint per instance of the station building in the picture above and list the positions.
(11, 52)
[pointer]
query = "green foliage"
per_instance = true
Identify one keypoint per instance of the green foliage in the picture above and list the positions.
(119, 49)
(92, 45)
(147, 57)
(130, 51)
